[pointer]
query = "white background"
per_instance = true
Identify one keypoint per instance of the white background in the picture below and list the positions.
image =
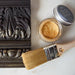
(64, 65)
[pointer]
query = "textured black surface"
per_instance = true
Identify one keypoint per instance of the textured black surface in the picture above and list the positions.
(8, 3)
(21, 14)
(14, 23)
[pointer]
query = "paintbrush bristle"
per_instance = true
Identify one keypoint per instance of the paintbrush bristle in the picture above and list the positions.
(34, 58)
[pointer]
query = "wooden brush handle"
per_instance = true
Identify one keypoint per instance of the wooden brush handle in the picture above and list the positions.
(66, 46)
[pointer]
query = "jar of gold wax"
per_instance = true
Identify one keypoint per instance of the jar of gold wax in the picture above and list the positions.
(51, 29)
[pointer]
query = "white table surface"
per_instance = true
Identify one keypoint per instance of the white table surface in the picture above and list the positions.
(64, 65)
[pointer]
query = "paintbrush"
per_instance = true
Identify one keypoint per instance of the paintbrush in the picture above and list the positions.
(36, 57)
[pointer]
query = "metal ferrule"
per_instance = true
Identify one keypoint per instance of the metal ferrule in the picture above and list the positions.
(51, 52)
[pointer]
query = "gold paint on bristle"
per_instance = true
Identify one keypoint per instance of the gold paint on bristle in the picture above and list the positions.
(34, 58)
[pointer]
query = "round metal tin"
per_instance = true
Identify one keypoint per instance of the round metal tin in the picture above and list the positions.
(63, 15)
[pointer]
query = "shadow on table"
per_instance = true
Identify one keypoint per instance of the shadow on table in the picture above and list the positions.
(35, 5)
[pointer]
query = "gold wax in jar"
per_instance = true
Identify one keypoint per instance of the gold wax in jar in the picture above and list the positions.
(49, 29)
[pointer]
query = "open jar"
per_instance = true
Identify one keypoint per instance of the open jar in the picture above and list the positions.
(51, 29)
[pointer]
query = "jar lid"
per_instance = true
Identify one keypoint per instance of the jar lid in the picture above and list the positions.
(63, 15)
